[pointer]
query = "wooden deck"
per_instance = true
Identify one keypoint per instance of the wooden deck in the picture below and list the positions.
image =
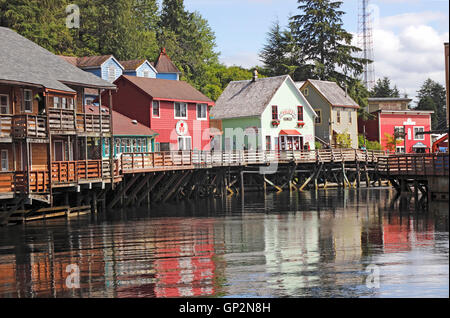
(415, 165)
(175, 160)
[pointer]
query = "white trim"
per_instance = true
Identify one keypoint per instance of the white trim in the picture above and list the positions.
(23, 102)
(159, 109)
(422, 137)
(112, 57)
(7, 105)
(206, 111)
(302, 97)
(175, 111)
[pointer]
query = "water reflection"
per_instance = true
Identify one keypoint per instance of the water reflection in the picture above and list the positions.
(311, 244)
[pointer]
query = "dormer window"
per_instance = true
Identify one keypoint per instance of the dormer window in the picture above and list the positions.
(4, 104)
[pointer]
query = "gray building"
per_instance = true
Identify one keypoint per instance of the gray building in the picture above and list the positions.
(337, 112)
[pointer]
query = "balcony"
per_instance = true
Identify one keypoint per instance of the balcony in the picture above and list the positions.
(93, 123)
(61, 121)
(5, 126)
(29, 126)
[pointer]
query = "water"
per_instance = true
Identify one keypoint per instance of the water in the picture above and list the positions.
(333, 243)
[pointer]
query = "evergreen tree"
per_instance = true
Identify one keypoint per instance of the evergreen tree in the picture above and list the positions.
(327, 49)
(383, 88)
(431, 96)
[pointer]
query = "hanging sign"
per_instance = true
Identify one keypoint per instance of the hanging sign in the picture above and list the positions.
(181, 128)
(287, 114)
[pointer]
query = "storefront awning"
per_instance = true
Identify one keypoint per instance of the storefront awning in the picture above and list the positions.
(290, 132)
(419, 145)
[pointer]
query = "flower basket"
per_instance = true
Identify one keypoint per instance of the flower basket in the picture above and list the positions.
(300, 124)
(275, 123)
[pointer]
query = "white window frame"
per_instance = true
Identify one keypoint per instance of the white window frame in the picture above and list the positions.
(402, 128)
(146, 74)
(206, 111)
(25, 101)
(175, 110)
(159, 109)
(7, 105)
(397, 148)
(184, 138)
(5, 161)
(420, 137)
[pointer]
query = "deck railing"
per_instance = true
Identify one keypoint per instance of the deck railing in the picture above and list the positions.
(173, 159)
(61, 120)
(5, 125)
(435, 164)
(6, 181)
(29, 126)
(93, 123)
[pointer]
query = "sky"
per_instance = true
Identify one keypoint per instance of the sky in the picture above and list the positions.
(408, 35)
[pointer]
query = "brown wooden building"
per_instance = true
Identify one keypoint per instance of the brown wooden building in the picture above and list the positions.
(47, 140)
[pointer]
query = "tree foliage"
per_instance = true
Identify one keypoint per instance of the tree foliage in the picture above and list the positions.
(431, 96)
(383, 88)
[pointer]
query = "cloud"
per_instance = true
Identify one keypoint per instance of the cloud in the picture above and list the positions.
(243, 59)
(408, 50)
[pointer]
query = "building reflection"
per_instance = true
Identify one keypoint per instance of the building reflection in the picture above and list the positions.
(294, 244)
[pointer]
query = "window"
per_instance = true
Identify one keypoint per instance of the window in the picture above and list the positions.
(135, 146)
(201, 111)
(184, 143)
(146, 74)
(399, 132)
(274, 112)
(106, 152)
(71, 103)
(306, 92)
(4, 104)
(118, 143)
(5, 162)
(64, 103)
(338, 116)
(318, 119)
(111, 73)
(89, 101)
(143, 145)
(28, 100)
(181, 110)
(350, 116)
(419, 136)
(400, 149)
(56, 102)
(155, 109)
(268, 143)
(300, 113)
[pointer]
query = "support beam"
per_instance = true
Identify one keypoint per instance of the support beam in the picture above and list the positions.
(176, 186)
(137, 188)
(122, 192)
(153, 183)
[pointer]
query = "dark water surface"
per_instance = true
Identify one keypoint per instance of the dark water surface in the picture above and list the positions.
(333, 243)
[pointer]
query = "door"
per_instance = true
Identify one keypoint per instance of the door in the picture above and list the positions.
(58, 151)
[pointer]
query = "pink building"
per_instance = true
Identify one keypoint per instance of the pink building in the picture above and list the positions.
(391, 118)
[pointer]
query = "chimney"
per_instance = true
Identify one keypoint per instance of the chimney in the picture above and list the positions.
(255, 75)
(345, 89)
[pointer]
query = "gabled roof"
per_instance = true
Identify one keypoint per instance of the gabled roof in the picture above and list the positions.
(87, 62)
(133, 65)
(161, 89)
(389, 99)
(164, 64)
(250, 98)
(23, 61)
(123, 125)
(331, 91)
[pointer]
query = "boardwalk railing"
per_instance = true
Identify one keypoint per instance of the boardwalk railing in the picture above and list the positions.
(414, 165)
(178, 159)
(61, 120)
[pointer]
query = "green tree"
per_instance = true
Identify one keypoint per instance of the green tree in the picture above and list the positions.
(327, 51)
(343, 140)
(431, 96)
(391, 142)
(383, 88)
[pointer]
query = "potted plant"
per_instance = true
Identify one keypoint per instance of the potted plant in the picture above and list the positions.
(300, 124)
(275, 123)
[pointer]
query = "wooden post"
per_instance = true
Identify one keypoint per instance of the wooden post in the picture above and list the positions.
(111, 139)
(242, 184)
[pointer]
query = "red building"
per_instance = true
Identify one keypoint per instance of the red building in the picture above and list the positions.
(174, 109)
(390, 118)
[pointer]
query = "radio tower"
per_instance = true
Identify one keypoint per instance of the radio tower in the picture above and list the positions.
(365, 41)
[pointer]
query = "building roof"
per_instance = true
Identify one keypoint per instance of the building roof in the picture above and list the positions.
(161, 89)
(389, 99)
(123, 125)
(334, 94)
(248, 98)
(405, 111)
(132, 65)
(164, 64)
(299, 84)
(25, 62)
(87, 61)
